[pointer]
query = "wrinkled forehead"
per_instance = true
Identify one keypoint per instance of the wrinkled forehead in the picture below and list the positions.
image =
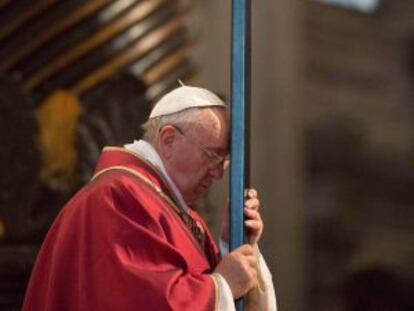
(213, 128)
(214, 120)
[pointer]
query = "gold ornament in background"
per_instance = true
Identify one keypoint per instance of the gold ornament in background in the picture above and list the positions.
(58, 117)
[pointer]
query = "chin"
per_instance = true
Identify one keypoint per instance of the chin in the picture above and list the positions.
(195, 197)
(191, 199)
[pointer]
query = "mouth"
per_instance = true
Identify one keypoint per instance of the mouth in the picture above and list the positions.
(205, 186)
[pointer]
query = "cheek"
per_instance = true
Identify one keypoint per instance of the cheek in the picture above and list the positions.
(195, 171)
(188, 165)
(188, 159)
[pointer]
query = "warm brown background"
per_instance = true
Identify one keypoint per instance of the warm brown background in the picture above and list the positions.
(332, 129)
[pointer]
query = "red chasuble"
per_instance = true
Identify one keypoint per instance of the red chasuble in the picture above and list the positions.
(120, 244)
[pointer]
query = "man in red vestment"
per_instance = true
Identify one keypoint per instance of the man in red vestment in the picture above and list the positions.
(129, 240)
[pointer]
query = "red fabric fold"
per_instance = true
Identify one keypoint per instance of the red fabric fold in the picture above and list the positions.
(119, 245)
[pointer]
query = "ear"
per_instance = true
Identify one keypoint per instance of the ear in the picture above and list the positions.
(166, 139)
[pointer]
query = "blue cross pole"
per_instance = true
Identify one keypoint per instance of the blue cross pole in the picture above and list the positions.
(240, 120)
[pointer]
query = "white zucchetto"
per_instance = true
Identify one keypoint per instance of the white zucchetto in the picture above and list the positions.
(185, 97)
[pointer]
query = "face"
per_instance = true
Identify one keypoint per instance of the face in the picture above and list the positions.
(187, 152)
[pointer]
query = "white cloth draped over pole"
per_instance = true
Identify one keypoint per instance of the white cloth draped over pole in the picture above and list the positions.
(240, 120)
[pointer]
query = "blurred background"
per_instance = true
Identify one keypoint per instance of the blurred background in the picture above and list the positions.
(332, 128)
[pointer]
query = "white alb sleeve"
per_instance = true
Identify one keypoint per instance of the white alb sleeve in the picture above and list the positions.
(225, 300)
(263, 296)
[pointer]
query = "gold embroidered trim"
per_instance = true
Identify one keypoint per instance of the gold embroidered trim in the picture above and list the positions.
(143, 178)
(159, 175)
(216, 292)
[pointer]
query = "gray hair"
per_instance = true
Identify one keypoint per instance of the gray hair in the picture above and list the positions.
(185, 117)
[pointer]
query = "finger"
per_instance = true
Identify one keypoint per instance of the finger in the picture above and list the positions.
(255, 273)
(253, 224)
(252, 203)
(252, 193)
(245, 249)
(251, 213)
(252, 271)
(252, 261)
(254, 279)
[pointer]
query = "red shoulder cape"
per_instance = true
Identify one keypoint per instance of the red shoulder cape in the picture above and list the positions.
(119, 244)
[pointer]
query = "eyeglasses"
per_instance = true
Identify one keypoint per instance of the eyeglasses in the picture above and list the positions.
(214, 158)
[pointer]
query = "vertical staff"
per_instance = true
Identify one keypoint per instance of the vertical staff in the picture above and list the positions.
(240, 120)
